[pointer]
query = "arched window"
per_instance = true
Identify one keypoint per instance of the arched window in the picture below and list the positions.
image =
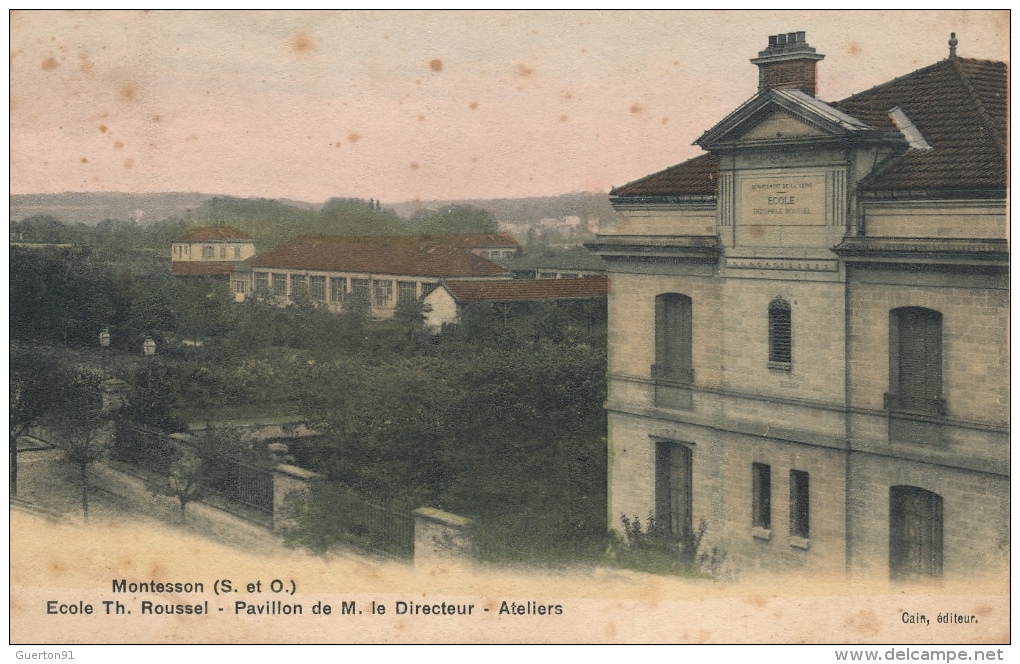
(915, 360)
(780, 342)
(673, 338)
(915, 533)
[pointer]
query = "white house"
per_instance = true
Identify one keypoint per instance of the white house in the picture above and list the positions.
(210, 251)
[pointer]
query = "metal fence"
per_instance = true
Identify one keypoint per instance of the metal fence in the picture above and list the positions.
(364, 523)
(246, 484)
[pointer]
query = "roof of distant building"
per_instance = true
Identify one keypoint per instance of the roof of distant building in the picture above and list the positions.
(203, 268)
(958, 105)
(519, 290)
(214, 234)
(392, 255)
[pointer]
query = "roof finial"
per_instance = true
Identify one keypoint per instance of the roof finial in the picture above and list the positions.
(952, 44)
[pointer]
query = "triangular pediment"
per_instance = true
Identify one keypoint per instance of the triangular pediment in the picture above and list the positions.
(781, 116)
(780, 125)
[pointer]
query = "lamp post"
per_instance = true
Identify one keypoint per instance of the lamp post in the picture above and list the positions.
(104, 338)
(148, 347)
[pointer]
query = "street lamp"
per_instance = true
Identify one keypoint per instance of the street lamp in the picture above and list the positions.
(148, 347)
(104, 338)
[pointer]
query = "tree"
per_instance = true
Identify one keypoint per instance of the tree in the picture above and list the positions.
(34, 375)
(454, 219)
(81, 426)
(186, 478)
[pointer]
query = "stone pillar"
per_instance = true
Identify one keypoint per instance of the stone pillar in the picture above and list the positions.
(290, 485)
(441, 537)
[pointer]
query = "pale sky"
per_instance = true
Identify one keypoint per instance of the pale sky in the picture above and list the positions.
(404, 105)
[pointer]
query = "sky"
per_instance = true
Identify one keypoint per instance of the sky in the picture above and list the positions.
(404, 105)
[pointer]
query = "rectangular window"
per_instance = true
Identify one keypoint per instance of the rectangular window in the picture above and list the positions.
(299, 284)
(915, 360)
(382, 293)
(262, 282)
(761, 496)
(673, 488)
(673, 348)
(800, 505)
(240, 285)
(208, 252)
(337, 289)
(237, 253)
(406, 291)
(223, 252)
(780, 339)
(359, 288)
(279, 283)
(317, 288)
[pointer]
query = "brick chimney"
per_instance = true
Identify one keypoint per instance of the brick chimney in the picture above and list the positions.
(788, 63)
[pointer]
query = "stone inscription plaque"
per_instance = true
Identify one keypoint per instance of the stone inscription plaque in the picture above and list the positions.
(785, 200)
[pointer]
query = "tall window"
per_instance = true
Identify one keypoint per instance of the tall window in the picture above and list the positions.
(915, 360)
(915, 533)
(279, 283)
(223, 252)
(237, 252)
(673, 482)
(780, 347)
(382, 293)
(800, 505)
(317, 287)
(262, 282)
(761, 496)
(299, 284)
(208, 252)
(337, 289)
(673, 338)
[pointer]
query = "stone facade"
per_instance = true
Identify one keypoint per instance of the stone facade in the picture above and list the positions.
(847, 401)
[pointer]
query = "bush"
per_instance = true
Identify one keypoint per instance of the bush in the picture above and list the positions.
(655, 550)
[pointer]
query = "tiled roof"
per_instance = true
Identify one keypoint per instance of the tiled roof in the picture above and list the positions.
(401, 255)
(203, 268)
(214, 234)
(694, 177)
(959, 106)
(527, 289)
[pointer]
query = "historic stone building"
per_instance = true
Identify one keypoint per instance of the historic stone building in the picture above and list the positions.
(808, 327)
(210, 251)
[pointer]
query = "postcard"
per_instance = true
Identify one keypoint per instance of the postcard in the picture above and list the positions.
(511, 327)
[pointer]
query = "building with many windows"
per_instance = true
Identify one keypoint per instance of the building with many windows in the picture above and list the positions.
(210, 251)
(808, 327)
(379, 272)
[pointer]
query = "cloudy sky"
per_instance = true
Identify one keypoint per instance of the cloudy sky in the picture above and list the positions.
(404, 105)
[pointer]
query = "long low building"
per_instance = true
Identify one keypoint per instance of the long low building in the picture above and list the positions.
(380, 272)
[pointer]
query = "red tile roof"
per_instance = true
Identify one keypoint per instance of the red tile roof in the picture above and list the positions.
(214, 234)
(203, 268)
(527, 289)
(411, 256)
(959, 105)
(694, 177)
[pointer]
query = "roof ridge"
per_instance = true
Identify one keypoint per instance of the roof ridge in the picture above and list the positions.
(986, 119)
